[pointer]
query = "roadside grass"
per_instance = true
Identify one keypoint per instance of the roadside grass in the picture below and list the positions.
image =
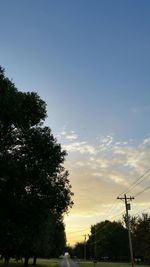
(108, 264)
(40, 263)
(55, 263)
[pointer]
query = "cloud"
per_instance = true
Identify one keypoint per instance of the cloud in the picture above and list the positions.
(140, 109)
(71, 136)
(67, 136)
(106, 143)
(100, 171)
(70, 143)
(81, 147)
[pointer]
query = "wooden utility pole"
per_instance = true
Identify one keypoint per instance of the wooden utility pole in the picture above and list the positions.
(128, 207)
(95, 244)
(95, 247)
(85, 247)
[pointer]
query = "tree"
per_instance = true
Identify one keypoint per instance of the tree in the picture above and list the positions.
(52, 239)
(33, 181)
(142, 237)
(57, 240)
(109, 239)
(79, 250)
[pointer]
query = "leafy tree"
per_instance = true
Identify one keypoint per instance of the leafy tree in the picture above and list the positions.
(52, 239)
(57, 241)
(79, 250)
(33, 182)
(142, 237)
(109, 239)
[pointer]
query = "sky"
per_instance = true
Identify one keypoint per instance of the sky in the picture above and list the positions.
(90, 61)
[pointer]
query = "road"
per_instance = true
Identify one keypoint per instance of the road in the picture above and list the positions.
(67, 262)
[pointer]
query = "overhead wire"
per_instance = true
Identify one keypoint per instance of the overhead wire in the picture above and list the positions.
(142, 191)
(135, 183)
(79, 231)
(95, 233)
(122, 212)
(111, 209)
(106, 214)
(139, 180)
(140, 211)
(96, 241)
(84, 229)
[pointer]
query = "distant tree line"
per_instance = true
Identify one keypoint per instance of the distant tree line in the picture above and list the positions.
(34, 188)
(109, 241)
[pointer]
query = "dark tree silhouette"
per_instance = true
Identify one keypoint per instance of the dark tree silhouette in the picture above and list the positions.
(111, 239)
(140, 227)
(33, 181)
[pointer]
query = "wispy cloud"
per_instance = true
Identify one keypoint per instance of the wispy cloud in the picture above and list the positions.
(106, 143)
(71, 143)
(81, 147)
(71, 136)
(99, 172)
(140, 109)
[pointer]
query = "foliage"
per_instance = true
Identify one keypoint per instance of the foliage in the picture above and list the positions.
(108, 239)
(141, 236)
(34, 185)
(79, 250)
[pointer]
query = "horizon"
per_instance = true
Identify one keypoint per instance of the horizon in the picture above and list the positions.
(89, 61)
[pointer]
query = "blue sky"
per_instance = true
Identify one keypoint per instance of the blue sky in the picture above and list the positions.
(90, 61)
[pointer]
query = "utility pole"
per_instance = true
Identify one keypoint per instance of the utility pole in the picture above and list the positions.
(128, 207)
(95, 244)
(95, 247)
(85, 247)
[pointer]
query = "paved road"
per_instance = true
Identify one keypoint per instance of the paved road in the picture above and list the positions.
(67, 262)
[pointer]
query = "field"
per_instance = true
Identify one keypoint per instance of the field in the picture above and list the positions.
(108, 264)
(40, 263)
(54, 263)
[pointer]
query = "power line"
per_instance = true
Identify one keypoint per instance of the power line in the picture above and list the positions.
(140, 211)
(96, 241)
(84, 229)
(134, 184)
(95, 233)
(127, 206)
(122, 212)
(73, 235)
(106, 214)
(142, 191)
(104, 226)
(109, 209)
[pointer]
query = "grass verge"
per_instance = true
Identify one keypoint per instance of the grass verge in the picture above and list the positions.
(108, 264)
(40, 263)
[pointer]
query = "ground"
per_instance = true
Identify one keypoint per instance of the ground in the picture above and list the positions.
(55, 263)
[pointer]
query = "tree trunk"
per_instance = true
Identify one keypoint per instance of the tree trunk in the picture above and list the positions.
(26, 260)
(34, 260)
(6, 260)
